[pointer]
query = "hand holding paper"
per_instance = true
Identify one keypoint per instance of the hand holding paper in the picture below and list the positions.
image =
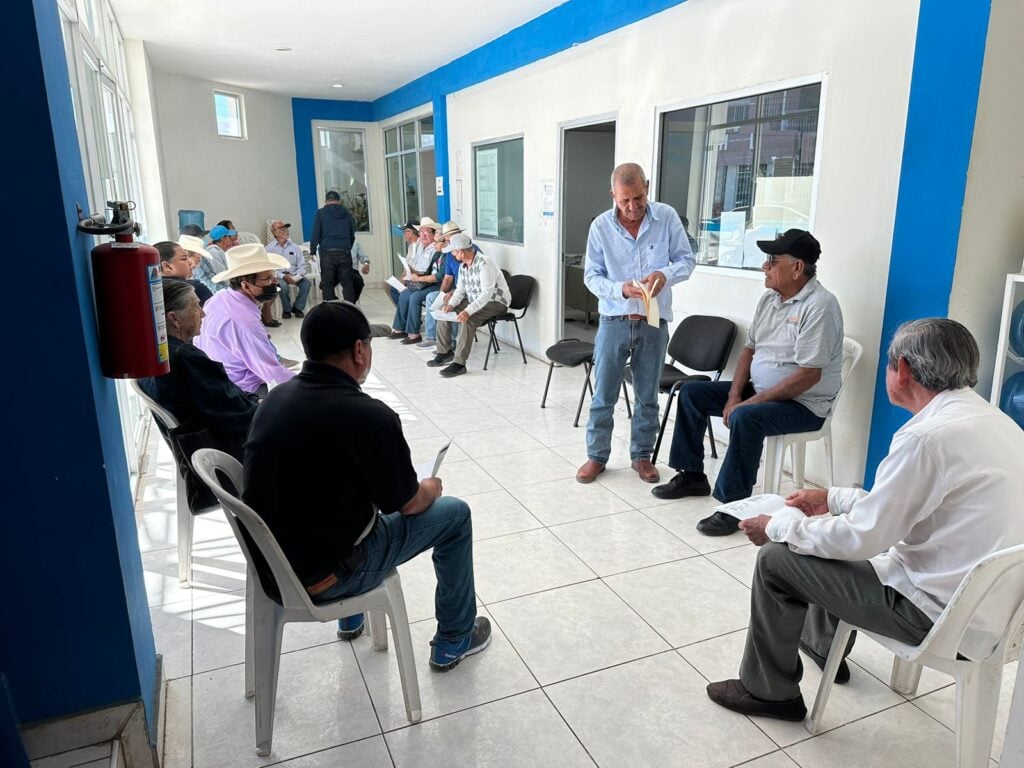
(650, 304)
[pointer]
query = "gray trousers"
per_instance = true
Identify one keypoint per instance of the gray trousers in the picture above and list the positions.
(465, 341)
(799, 597)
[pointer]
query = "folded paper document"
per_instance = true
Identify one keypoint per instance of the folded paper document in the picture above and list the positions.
(766, 504)
(423, 471)
(650, 303)
(395, 283)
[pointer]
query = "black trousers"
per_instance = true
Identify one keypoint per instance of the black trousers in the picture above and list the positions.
(336, 268)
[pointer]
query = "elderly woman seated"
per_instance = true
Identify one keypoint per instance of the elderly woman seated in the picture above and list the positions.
(197, 391)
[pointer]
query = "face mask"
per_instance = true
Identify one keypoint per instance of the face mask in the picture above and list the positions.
(269, 293)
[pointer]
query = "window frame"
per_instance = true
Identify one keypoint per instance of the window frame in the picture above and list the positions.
(473, 147)
(242, 127)
(740, 93)
(349, 127)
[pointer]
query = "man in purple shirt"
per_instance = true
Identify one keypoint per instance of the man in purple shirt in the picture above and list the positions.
(232, 332)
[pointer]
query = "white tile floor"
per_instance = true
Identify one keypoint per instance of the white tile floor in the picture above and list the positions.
(610, 616)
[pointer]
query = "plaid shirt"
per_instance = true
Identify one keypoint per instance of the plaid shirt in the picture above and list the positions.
(480, 283)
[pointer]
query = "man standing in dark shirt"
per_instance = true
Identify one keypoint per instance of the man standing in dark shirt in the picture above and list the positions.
(357, 463)
(334, 231)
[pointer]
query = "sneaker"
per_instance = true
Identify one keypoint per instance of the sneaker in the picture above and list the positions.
(441, 358)
(455, 369)
(298, 313)
(286, 315)
(426, 344)
(351, 627)
(683, 484)
(444, 655)
(398, 335)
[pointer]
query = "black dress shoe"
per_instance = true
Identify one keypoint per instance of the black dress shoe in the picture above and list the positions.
(731, 694)
(718, 524)
(441, 358)
(398, 335)
(682, 485)
(272, 323)
(842, 674)
(286, 315)
(298, 313)
(455, 369)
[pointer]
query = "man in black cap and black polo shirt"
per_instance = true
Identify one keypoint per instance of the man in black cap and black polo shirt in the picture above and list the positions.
(357, 463)
(334, 231)
(786, 380)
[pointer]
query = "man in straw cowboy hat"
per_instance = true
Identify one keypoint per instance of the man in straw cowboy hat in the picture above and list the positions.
(232, 331)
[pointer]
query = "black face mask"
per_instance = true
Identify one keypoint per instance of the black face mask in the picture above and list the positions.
(269, 293)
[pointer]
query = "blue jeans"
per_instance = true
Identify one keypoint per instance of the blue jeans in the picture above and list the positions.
(410, 308)
(444, 526)
(620, 340)
(749, 425)
(300, 301)
(431, 329)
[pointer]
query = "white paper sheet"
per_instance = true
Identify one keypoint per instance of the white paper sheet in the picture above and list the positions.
(423, 471)
(395, 283)
(764, 504)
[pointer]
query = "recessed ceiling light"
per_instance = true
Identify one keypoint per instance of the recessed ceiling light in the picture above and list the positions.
(282, 49)
(337, 85)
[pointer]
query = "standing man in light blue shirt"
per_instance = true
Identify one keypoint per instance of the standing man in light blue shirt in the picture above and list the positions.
(640, 241)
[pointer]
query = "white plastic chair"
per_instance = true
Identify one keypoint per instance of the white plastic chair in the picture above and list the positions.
(266, 614)
(977, 682)
(775, 447)
(185, 516)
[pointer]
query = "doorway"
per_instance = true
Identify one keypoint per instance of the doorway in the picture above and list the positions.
(588, 157)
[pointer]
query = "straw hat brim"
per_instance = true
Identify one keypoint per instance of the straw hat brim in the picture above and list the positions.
(272, 261)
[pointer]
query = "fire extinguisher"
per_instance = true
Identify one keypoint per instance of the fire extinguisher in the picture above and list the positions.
(129, 298)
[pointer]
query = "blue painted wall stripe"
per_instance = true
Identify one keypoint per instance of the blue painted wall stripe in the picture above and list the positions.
(571, 23)
(943, 103)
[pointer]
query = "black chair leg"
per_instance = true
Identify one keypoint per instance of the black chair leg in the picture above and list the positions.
(583, 393)
(661, 431)
(625, 394)
(518, 336)
(490, 345)
(547, 384)
(711, 439)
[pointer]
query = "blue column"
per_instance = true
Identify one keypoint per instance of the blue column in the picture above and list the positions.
(76, 632)
(440, 100)
(944, 90)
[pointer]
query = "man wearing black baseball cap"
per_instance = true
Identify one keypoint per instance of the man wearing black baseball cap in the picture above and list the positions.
(357, 462)
(786, 380)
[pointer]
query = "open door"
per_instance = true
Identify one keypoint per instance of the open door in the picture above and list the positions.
(588, 158)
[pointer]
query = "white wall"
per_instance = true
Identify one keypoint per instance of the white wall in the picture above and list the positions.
(247, 181)
(693, 54)
(992, 228)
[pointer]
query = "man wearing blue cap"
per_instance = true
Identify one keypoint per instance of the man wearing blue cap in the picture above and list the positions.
(222, 239)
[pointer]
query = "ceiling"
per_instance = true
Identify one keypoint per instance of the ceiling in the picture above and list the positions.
(371, 47)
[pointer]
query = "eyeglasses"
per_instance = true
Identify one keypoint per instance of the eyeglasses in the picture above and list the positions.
(265, 280)
(774, 259)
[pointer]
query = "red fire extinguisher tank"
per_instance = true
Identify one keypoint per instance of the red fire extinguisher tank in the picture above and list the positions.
(130, 309)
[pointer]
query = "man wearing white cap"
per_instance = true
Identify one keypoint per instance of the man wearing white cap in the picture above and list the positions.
(232, 332)
(481, 295)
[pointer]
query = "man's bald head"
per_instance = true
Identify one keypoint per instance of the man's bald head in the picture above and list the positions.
(628, 174)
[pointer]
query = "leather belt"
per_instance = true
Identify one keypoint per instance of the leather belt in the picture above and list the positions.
(626, 317)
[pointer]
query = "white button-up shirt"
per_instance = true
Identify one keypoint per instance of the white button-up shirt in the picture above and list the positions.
(948, 494)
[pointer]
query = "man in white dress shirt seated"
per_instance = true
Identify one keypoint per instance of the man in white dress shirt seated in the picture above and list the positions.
(889, 560)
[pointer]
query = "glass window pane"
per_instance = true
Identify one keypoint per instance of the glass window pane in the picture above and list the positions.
(116, 184)
(391, 141)
(428, 188)
(427, 132)
(498, 190)
(411, 184)
(228, 108)
(342, 163)
(408, 136)
(740, 171)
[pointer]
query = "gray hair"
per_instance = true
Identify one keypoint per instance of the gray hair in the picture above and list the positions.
(942, 354)
(177, 294)
(628, 174)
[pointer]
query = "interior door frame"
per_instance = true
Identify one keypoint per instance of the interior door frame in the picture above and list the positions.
(563, 128)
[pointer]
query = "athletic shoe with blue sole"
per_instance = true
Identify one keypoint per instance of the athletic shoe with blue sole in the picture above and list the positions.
(445, 655)
(351, 627)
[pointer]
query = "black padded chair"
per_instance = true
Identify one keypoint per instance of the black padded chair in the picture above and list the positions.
(700, 343)
(521, 287)
(570, 353)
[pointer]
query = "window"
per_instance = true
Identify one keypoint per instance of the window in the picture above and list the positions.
(498, 190)
(341, 163)
(230, 115)
(740, 171)
(409, 158)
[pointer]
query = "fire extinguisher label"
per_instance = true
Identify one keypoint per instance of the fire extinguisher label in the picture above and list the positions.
(156, 289)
